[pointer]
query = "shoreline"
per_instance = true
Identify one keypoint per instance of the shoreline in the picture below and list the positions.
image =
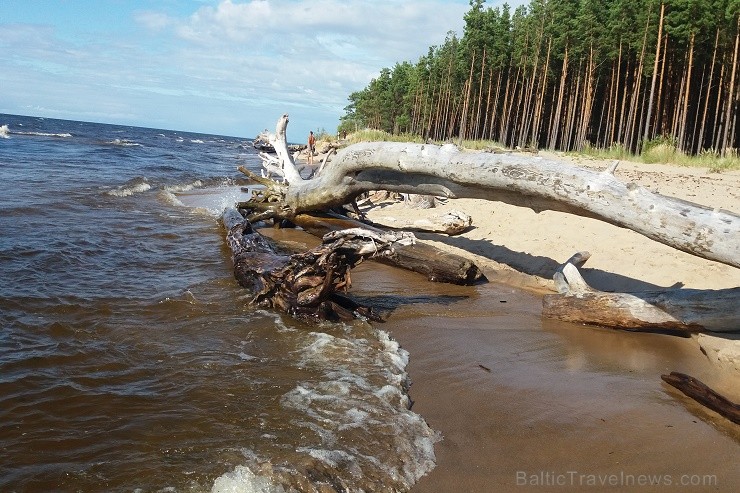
(615, 417)
(520, 400)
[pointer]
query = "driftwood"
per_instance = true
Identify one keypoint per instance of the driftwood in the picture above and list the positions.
(305, 285)
(539, 184)
(689, 310)
(450, 223)
(526, 181)
(425, 259)
(704, 395)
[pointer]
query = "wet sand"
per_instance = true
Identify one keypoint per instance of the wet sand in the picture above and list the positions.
(527, 404)
(523, 402)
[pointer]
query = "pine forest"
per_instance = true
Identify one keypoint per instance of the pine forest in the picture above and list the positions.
(570, 74)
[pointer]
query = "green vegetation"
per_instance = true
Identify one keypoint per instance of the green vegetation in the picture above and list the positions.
(665, 152)
(655, 78)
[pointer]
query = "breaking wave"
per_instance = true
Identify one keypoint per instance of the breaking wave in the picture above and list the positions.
(137, 185)
(123, 143)
(357, 431)
(5, 132)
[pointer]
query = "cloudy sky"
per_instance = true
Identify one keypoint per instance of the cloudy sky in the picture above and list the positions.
(228, 67)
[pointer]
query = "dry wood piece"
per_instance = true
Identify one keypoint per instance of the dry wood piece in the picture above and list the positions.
(704, 395)
(450, 223)
(423, 258)
(305, 285)
(690, 310)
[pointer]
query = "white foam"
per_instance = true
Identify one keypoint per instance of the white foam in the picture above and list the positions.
(127, 190)
(243, 480)
(44, 134)
(170, 198)
(184, 188)
(123, 143)
(4, 130)
(210, 200)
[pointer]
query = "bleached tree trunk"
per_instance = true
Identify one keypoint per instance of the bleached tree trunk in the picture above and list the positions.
(525, 181)
(686, 310)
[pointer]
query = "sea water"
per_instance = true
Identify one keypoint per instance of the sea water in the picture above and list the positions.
(129, 357)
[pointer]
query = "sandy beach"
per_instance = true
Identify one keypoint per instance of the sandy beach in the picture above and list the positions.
(523, 403)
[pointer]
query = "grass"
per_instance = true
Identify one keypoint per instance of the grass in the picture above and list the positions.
(667, 153)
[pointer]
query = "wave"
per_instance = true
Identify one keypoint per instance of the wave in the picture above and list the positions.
(358, 432)
(123, 143)
(5, 132)
(137, 185)
(183, 188)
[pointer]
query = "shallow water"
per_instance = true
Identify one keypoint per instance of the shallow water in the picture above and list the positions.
(128, 359)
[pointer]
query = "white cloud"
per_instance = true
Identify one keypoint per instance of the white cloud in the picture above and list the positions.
(240, 63)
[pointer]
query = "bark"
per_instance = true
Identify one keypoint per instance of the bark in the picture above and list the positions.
(524, 181)
(686, 310)
(305, 285)
(423, 258)
(704, 395)
(450, 223)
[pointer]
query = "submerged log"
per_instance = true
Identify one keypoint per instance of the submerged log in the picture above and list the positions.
(305, 285)
(689, 310)
(704, 395)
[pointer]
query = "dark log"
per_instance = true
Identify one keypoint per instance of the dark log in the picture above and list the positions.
(305, 285)
(425, 259)
(689, 310)
(704, 395)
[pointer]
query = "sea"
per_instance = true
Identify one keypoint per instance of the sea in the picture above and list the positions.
(130, 359)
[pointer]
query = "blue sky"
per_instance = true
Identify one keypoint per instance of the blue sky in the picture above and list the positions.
(228, 67)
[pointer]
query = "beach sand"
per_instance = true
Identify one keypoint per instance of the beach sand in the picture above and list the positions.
(524, 403)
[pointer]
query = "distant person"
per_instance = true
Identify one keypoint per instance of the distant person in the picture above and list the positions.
(311, 146)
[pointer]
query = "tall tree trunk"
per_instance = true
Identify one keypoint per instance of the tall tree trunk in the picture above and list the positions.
(587, 102)
(646, 136)
(476, 134)
(731, 92)
(613, 125)
(625, 93)
(660, 116)
(468, 87)
(555, 128)
(717, 131)
(503, 131)
(485, 116)
(632, 118)
(706, 96)
(685, 102)
(536, 124)
(569, 144)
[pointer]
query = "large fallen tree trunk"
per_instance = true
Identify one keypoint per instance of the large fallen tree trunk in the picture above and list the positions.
(532, 182)
(305, 285)
(687, 310)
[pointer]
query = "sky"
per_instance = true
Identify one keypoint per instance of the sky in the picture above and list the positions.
(226, 67)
